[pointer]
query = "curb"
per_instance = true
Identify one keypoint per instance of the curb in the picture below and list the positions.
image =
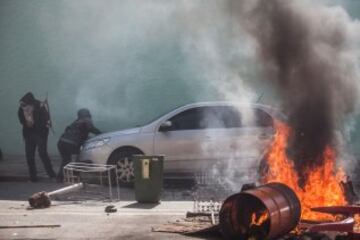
(20, 179)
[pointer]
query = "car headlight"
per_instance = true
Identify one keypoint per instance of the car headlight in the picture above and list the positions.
(96, 143)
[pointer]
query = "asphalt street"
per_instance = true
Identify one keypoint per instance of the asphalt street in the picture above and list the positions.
(81, 214)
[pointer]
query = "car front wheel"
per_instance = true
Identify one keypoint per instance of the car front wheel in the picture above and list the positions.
(122, 159)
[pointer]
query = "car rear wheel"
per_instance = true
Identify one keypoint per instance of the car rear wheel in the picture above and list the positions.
(122, 159)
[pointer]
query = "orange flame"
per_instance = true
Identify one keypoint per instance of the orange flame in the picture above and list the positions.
(357, 223)
(322, 186)
(259, 220)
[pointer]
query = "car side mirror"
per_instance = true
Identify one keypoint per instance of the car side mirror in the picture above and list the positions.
(165, 126)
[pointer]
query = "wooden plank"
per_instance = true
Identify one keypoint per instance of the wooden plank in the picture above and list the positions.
(31, 226)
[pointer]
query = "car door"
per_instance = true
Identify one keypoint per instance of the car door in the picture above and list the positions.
(182, 143)
(223, 126)
(240, 134)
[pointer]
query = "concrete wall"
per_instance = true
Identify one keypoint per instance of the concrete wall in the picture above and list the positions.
(124, 60)
(120, 60)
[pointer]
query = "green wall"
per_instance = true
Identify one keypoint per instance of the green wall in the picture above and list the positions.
(124, 60)
(121, 60)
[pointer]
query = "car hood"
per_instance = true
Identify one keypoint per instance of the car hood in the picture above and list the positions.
(115, 134)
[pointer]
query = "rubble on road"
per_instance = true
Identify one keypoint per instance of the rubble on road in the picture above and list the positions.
(239, 217)
(190, 226)
(42, 199)
(110, 209)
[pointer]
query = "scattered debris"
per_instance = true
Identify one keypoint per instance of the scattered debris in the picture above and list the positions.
(110, 209)
(42, 199)
(345, 225)
(190, 226)
(207, 206)
(202, 220)
(349, 191)
(32, 226)
(199, 214)
(257, 212)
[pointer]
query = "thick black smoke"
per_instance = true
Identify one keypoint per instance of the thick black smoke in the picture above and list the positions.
(303, 52)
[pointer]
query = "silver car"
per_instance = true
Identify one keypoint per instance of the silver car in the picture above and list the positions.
(192, 138)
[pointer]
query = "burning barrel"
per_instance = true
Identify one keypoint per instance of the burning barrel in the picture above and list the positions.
(265, 212)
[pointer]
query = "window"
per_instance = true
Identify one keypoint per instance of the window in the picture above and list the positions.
(187, 120)
(206, 117)
(263, 119)
(221, 117)
(217, 117)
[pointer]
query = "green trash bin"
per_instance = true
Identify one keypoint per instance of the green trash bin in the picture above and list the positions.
(148, 172)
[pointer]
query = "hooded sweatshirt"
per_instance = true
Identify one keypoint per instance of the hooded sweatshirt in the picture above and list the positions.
(33, 115)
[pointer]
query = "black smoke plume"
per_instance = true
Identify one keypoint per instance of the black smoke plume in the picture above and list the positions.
(302, 49)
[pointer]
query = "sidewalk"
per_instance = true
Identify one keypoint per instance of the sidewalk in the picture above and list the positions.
(81, 214)
(89, 220)
(14, 168)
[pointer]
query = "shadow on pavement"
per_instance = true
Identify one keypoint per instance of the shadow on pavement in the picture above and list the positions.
(21, 191)
(142, 205)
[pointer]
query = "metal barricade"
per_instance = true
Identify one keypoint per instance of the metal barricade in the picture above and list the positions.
(74, 171)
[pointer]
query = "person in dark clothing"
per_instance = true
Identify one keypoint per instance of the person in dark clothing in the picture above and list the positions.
(35, 120)
(74, 136)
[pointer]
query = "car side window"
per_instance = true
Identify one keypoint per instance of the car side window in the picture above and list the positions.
(208, 117)
(186, 120)
(211, 118)
(221, 117)
(232, 117)
(263, 119)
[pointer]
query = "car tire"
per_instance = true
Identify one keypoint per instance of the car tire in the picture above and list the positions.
(122, 159)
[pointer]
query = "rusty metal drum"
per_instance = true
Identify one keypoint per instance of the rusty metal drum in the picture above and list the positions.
(264, 212)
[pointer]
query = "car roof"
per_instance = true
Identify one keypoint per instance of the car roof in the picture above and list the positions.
(227, 103)
(269, 109)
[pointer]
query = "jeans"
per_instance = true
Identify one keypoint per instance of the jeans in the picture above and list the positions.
(39, 141)
(66, 150)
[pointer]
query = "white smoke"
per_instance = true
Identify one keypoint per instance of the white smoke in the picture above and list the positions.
(113, 55)
(214, 46)
(221, 41)
(127, 43)
(224, 57)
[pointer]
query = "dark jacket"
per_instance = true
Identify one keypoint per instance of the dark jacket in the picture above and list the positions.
(40, 116)
(77, 132)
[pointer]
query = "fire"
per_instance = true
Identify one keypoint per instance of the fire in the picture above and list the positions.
(259, 220)
(357, 223)
(322, 186)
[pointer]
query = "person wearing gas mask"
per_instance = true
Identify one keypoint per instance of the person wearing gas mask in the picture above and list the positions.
(35, 119)
(73, 137)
